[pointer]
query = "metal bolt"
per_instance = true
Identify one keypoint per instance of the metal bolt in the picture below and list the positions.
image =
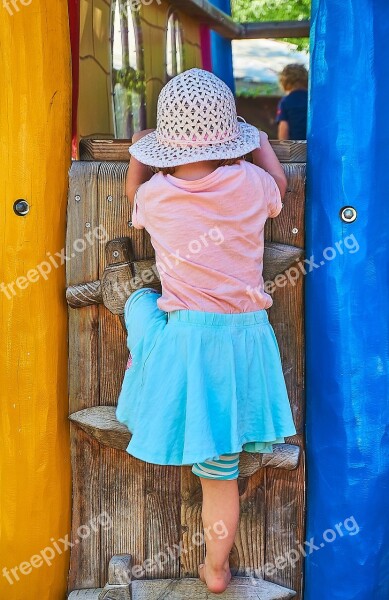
(348, 214)
(115, 254)
(295, 230)
(109, 198)
(87, 225)
(77, 198)
(130, 223)
(21, 207)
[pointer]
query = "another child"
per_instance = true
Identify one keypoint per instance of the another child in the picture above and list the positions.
(206, 378)
(292, 109)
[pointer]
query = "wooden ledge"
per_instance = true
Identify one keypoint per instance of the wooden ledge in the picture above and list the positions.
(100, 423)
(240, 588)
(121, 586)
(117, 150)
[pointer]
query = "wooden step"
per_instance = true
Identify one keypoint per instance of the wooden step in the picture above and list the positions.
(188, 588)
(88, 594)
(101, 423)
(122, 271)
(290, 151)
(240, 588)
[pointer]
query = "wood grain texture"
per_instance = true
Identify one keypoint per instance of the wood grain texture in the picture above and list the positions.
(287, 151)
(240, 588)
(100, 423)
(156, 510)
(85, 594)
(35, 151)
(83, 376)
(285, 490)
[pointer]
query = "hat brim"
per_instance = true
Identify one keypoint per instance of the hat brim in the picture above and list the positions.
(155, 154)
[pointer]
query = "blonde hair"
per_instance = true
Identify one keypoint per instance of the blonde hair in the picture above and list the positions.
(221, 163)
(293, 75)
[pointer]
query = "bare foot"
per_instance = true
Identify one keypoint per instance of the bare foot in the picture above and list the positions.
(217, 580)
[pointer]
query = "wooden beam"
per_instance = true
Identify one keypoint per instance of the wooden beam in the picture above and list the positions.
(240, 588)
(212, 16)
(101, 423)
(287, 151)
(275, 29)
(219, 21)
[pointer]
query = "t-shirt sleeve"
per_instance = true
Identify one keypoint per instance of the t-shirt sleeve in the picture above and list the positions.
(272, 195)
(282, 113)
(138, 216)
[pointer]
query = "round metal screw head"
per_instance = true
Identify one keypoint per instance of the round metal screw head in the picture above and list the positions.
(21, 207)
(348, 214)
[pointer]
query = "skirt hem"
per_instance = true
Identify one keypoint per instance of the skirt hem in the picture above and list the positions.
(154, 459)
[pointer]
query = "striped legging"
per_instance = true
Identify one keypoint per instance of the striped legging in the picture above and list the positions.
(225, 467)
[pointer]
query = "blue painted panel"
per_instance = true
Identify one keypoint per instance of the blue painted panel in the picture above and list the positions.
(222, 64)
(347, 303)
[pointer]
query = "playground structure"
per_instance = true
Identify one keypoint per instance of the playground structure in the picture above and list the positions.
(117, 511)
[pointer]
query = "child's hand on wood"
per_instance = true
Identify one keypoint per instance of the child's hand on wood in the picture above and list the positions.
(138, 173)
(266, 158)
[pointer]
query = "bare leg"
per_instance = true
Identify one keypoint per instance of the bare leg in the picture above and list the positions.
(220, 504)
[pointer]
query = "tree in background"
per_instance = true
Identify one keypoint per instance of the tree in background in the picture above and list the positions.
(274, 10)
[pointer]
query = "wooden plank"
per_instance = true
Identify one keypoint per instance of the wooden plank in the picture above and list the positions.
(123, 498)
(163, 520)
(212, 16)
(107, 150)
(115, 217)
(248, 552)
(240, 588)
(144, 501)
(290, 151)
(83, 374)
(104, 150)
(191, 523)
(100, 422)
(275, 29)
(86, 594)
(122, 489)
(285, 490)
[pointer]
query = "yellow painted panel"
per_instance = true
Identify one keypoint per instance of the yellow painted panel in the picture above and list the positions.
(102, 32)
(35, 150)
(154, 23)
(86, 28)
(94, 107)
(95, 116)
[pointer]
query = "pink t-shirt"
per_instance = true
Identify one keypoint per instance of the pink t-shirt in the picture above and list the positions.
(208, 237)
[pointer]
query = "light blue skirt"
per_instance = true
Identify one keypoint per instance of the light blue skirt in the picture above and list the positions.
(201, 384)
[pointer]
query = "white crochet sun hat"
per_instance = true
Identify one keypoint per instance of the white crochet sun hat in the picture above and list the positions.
(196, 121)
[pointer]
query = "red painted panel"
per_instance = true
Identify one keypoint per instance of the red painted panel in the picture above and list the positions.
(74, 22)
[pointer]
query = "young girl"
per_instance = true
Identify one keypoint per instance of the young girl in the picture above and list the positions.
(206, 378)
(292, 109)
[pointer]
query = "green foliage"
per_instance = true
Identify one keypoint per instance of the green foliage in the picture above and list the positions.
(271, 10)
(130, 79)
(274, 10)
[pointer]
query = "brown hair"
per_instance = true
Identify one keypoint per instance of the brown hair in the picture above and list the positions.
(293, 75)
(221, 163)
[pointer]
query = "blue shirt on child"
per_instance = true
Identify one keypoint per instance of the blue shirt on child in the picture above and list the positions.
(293, 108)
